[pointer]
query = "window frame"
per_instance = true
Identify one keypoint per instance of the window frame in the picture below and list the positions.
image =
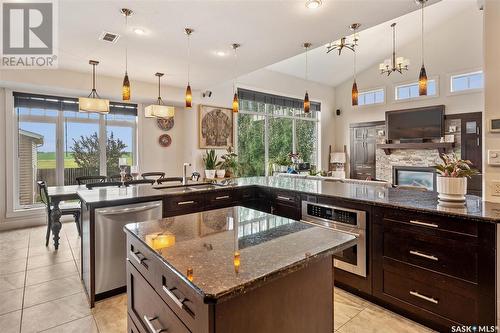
(14, 208)
(375, 89)
(417, 98)
(450, 92)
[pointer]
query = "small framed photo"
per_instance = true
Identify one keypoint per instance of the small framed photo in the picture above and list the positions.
(449, 138)
(452, 128)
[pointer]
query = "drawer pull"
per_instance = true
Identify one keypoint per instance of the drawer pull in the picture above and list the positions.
(135, 255)
(425, 298)
(425, 224)
(283, 198)
(222, 197)
(423, 255)
(178, 302)
(180, 203)
(151, 327)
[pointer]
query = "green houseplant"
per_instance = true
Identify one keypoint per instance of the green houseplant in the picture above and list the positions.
(230, 162)
(281, 163)
(452, 180)
(210, 161)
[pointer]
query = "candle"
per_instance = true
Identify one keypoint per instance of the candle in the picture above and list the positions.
(236, 261)
(190, 274)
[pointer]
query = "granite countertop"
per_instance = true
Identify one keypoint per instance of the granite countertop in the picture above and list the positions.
(269, 247)
(104, 196)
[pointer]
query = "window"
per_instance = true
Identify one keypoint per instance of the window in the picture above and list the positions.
(467, 81)
(270, 127)
(56, 143)
(371, 97)
(409, 91)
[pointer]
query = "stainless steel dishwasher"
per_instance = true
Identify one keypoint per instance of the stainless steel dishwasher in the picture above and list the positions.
(110, 241)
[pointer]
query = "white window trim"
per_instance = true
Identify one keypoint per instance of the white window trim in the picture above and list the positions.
(466, 91)
(365, 106)
(418, 98)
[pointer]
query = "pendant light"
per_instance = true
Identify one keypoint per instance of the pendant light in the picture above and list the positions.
(236, 103)
(307, 103)
(189, 95)
(159, 110)
(126, 82)
(354, 92)
(395, 64)
(422, 78)
(93, 103)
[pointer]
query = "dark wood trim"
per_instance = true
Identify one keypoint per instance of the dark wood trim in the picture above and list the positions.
(109, 293)
(441, 147)
(468, 115)
(367, 124)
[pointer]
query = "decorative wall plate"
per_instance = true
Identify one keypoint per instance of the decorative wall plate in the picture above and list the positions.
(165, 140)
(165, 124)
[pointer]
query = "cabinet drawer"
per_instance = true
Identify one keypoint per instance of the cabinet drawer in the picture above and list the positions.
(455, 255)
(285, 197)
(184, 203)
(451, 298)
(432, 223)
(131, 328)
(141, 258)
(286, 210)
(147, 309)
(221, 199)
(247, 194)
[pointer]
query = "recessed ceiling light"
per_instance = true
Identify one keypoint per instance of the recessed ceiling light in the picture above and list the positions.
(140, 31)
(221, 53)
(313, 4)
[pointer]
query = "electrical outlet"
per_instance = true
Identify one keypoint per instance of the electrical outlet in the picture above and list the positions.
(495, 188)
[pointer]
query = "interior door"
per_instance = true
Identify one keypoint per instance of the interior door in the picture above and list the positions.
(471, 139)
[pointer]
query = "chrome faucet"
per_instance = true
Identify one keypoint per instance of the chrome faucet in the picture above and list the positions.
(184, 173)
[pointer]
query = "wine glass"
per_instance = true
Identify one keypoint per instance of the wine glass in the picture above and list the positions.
(134, 171)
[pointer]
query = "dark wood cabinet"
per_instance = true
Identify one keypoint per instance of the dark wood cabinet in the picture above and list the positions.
(434, 269)
(363, 143)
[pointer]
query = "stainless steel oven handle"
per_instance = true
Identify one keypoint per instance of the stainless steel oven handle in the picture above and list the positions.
(150, 325)
(423, 255)
(425, 224)
(355, 234)
(129, 210)
(425, 298)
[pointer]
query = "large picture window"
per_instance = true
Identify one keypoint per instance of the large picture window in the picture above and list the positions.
(56, 143)
(270, 127)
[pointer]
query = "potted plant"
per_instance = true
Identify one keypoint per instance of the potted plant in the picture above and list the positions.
(452, 178)
(210, 161)
(281, 163)
(220, 172)
(230, 162)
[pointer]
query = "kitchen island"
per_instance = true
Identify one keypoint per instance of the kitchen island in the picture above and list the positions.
(231, 270)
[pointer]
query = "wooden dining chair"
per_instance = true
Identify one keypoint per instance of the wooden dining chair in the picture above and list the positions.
(139, 181)
(103, 184)
(153, 175)
(90, 179)
(118, 178)
(67, 208)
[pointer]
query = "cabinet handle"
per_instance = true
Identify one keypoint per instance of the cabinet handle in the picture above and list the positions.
(178, 302)
(283, 198)
(135, 255)
(180, 203)
(150, 325)
(425, 224)
(425, 298)
(222, 197)
(423, 255)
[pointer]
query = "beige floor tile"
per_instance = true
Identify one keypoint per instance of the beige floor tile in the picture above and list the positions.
(52, 290)
(14, 266)
(83, 325)
(13, 254)
(375, 319)
(11, 322)
(14, 244)
(47, 273)
(346, 306)
(54, 313)
(11, 300)
(48, 259)
(39, 249)
(12, 281)
(111, 314)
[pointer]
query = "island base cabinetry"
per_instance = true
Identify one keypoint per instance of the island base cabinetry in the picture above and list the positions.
(299, 301)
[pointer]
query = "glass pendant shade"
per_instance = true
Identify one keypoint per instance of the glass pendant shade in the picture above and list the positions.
(92, 104)
(126, 88)
(422, 82)
(189, 97)
(236, 104)
(354, 94)
(307, 104)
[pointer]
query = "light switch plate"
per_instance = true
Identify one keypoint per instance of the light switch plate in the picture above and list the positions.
(494, 157)
(495, 188)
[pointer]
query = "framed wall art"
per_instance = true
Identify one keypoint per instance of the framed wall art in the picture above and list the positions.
(215, 127)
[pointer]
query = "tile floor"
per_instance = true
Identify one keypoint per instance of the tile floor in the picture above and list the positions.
(40, 291)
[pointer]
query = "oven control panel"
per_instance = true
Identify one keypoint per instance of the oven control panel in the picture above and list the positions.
(334, 214)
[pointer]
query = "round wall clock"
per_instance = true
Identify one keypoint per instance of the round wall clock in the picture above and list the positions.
(165, 140)
(165, 124)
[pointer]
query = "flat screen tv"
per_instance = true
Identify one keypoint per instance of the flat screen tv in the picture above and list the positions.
(421, 123)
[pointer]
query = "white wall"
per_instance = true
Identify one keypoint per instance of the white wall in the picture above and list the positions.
(452, 47)
(492, 88)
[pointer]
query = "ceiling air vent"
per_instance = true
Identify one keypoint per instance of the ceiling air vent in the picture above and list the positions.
(109, 37)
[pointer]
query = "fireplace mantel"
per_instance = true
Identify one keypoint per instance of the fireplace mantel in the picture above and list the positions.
(441, 147)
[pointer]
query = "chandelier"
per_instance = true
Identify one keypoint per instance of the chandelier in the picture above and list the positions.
(395, 64)
(342, 43)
